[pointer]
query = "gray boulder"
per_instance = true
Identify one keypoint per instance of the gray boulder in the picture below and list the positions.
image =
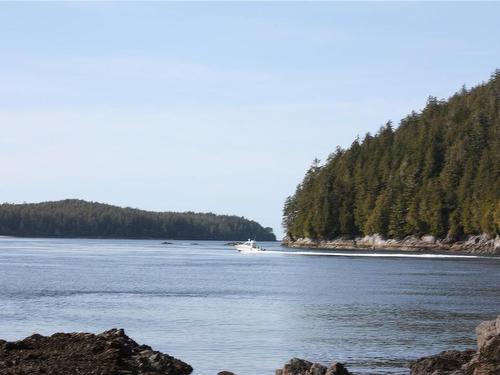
(486, 331)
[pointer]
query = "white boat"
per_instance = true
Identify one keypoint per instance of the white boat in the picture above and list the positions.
(249, 247)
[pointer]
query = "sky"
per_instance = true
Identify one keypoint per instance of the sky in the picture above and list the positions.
(216, 107)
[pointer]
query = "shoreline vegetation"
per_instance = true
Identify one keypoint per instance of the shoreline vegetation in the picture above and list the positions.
(74, 218)
(432, 183)
(114, 352)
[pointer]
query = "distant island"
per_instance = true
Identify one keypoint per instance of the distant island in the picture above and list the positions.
(433, 182)
(73, 218)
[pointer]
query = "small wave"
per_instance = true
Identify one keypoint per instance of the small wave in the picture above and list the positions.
(224, 293)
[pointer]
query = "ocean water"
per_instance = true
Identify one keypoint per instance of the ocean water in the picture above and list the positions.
(217, 309)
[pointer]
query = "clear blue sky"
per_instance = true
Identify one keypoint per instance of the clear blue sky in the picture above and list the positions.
(215, 106)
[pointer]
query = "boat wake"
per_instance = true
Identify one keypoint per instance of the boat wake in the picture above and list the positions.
(380, 255)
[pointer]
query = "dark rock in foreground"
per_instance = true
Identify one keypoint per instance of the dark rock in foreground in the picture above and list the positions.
(297, 366)
(443, 363)
(483, 361)
(109, 353)
(114, 353)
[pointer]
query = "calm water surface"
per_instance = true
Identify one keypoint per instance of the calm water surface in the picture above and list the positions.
(217, 309)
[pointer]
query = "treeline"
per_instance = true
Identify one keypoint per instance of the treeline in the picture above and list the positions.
(438, 173)
(78, 218)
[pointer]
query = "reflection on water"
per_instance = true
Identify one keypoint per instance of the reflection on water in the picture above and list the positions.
(217, 309)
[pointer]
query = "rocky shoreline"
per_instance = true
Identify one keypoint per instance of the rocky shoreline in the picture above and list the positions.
(114, 353)
(474, 245)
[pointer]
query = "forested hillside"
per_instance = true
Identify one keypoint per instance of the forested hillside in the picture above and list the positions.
(78, 218)
(438, 173)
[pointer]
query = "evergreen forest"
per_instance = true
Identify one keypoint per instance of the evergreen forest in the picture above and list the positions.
(78, 218)
(437, 173)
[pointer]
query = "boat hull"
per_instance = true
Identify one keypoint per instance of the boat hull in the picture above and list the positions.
(248, 249)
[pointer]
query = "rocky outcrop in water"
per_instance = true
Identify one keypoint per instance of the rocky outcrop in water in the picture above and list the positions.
(443, 363)
(297, 366)
(109, 353)
(483, 361)
(477, 245)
